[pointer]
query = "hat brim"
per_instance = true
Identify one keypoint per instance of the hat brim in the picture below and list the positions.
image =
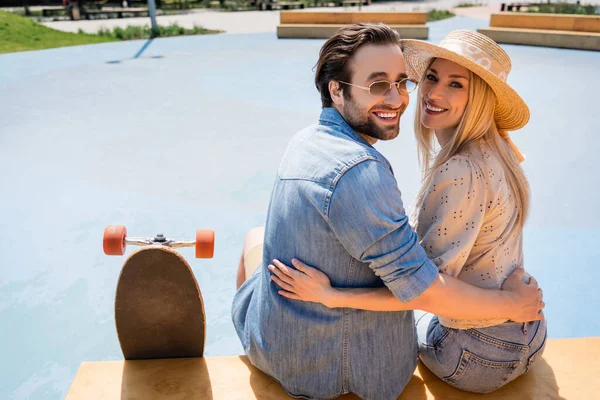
(511, 111)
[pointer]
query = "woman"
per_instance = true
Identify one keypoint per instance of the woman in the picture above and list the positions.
(469, 214)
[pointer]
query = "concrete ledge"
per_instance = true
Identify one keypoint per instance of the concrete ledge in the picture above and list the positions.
(558, 22)
(348, 18)
(568, 370)
(325, 31)
(546, 38)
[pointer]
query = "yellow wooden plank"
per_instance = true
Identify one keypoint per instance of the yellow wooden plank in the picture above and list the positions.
(324, 31)
(568, 370)
(346, 18)
(546, 38)
(580, 23)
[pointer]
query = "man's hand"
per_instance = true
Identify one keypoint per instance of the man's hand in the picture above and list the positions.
(527, 297)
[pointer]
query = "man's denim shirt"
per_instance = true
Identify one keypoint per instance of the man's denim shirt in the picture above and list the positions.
(336, 206)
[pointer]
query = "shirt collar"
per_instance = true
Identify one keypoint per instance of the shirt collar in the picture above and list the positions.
(330, 116)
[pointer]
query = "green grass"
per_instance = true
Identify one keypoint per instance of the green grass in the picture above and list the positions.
(21, 34)
(470, 4)
(566, 8)
(177, 4)
(143, 32)
(437, 15)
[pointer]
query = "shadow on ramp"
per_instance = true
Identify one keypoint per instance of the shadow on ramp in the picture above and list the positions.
(139, 53)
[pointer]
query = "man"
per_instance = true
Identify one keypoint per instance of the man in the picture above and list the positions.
(336, 205)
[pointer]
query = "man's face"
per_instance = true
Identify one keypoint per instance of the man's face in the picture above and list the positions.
(374, 117)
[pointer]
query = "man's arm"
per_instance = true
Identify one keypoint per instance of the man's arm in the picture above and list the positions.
(368, 217)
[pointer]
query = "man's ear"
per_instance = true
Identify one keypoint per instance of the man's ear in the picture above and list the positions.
(335, 91)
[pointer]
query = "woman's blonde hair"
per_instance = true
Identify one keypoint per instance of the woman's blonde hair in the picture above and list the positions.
(476, 124)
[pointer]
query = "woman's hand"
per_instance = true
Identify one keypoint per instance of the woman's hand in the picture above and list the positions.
(305, 284)
(528, 297)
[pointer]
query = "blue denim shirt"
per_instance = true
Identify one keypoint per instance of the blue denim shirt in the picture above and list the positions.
(336, 206)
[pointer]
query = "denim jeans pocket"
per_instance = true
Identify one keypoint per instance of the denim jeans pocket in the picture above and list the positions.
(479, 375)
(537, 353)
(435, 339)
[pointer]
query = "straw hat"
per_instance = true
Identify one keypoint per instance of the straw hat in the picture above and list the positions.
(481, 55)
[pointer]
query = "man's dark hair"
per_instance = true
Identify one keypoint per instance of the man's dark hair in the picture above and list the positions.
(337, 51)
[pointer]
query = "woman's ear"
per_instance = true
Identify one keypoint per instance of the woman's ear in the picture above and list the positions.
(335, 91)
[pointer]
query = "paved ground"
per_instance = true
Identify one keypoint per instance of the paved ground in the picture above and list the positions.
(188, 135)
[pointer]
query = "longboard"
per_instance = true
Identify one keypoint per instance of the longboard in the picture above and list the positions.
(159, 312)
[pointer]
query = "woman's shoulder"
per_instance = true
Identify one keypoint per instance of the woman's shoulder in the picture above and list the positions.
(464, 166)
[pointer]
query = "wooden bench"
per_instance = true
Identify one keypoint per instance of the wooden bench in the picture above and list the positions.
(322, 25)
(54, 11)
(268, 5)
(549, 30)
(343, 3)
(567, 370)
(179, 4)
(289, 5)
(115, 12)
(516, 6)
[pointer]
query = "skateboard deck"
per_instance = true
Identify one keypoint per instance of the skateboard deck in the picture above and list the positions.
(159, 312)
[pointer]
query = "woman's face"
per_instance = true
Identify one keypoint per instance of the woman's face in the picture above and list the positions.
(444, 94)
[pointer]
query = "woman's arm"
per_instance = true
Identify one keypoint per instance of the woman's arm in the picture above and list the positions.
(450, 221)
(452, 298)
(447, 296)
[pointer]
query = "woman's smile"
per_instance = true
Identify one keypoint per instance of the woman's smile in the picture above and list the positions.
(433, 109)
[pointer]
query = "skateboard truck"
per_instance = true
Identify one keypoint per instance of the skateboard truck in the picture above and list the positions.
(160, 238)
(115, 241)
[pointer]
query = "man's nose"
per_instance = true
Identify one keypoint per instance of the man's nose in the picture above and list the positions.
(396, 98)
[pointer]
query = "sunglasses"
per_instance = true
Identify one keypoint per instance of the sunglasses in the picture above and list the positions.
(382, 88)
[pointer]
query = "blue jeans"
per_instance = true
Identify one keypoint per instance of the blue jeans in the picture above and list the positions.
(479, 360)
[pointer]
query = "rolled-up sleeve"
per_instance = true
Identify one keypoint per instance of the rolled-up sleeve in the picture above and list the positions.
(367, 215)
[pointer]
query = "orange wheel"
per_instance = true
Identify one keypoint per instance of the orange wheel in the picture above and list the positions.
(205, 243)
(114, 240)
